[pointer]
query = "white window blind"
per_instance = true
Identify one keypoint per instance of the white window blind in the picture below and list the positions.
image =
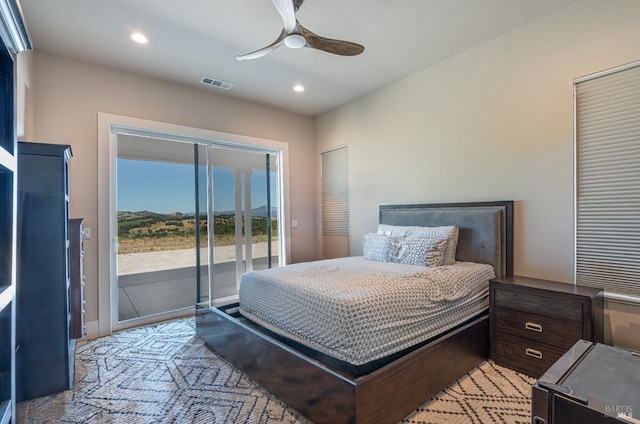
(335, 192)
(608, 180)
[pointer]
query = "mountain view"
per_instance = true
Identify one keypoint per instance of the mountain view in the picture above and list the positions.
(146, 231)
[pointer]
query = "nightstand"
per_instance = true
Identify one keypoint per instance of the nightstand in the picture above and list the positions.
(533, 322)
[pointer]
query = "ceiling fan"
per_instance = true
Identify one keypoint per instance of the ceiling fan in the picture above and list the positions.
(295, 36)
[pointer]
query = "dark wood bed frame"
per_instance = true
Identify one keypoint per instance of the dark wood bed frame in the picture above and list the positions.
(390, 393)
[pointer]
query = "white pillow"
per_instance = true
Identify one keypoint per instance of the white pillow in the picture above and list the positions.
(421, 251)
(450, 232)
(374, 247)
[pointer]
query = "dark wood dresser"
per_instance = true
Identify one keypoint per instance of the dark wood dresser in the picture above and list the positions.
(533, 322)
(45, 351)
(76, 277)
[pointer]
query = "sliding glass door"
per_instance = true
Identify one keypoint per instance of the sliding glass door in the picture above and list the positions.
(244, 200)
(183, 206)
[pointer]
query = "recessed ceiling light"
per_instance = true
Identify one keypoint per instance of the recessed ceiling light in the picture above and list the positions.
(139, 38)
(298, 88)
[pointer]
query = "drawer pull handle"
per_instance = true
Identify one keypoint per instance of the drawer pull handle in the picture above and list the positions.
(533, 353)
(533, 327)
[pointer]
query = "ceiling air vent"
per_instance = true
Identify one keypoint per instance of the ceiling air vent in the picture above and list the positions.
(216, 83)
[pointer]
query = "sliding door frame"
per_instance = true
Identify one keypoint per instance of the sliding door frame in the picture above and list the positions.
(109, 126)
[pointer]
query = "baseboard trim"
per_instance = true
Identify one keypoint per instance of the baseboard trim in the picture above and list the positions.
(92, 330)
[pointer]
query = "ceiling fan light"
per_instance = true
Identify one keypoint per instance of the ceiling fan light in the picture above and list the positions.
(295, 41)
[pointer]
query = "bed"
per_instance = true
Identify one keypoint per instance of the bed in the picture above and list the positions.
(379, 389)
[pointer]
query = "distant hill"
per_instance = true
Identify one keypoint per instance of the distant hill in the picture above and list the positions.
(132, 216)
(260, 211)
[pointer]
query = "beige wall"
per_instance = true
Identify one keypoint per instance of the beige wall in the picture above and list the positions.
(492, 123)
(67, 95)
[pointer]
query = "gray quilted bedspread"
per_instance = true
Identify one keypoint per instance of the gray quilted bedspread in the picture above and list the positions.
(358, 310)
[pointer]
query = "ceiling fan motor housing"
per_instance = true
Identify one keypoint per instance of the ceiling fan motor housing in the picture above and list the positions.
(295, 41)
(295, 36)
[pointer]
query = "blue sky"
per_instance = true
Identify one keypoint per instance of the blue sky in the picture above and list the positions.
(167, 187)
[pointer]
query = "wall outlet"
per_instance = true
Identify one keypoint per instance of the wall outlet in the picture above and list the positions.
(294, 223)
(86, 233)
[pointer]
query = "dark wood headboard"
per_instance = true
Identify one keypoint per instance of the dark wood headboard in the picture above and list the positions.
(486, 228)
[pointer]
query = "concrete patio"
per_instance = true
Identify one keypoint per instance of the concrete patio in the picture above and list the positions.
(155, 282)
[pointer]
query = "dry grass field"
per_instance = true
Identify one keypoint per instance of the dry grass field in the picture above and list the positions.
(150, 232)
(174, 242)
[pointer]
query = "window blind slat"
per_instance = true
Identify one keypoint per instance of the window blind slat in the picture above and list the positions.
(335, 193)
(608, 181)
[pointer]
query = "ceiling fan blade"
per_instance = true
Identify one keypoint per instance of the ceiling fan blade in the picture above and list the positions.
(343, 48)
(286, 10)
(263, 51)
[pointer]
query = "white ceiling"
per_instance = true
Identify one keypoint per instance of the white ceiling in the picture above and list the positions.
(195, 38)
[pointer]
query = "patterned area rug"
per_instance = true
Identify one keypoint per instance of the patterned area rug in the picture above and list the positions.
(165, 374)
(488, 394)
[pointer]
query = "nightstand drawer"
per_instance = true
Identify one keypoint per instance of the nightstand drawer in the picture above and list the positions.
(537, 327)
(527, 356)
(533, 321)
(539, 305)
